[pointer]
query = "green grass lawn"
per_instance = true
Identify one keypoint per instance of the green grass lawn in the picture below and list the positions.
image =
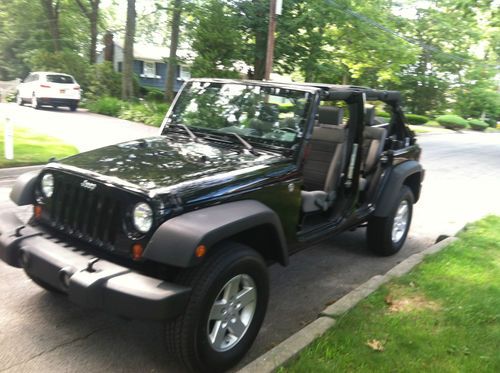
(32, 148)
(442, 317)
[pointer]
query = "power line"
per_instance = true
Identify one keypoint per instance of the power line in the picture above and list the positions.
(409, 40)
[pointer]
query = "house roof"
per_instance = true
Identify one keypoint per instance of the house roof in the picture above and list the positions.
(150, 52)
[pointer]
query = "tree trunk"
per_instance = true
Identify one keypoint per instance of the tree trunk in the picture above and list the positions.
(174, 43)
(92, 15)
(128, 52)
(52, 11)
(259, 65)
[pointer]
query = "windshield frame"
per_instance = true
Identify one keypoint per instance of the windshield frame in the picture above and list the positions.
(271, 144)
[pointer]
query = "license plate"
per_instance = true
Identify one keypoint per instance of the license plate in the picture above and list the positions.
(62, 91)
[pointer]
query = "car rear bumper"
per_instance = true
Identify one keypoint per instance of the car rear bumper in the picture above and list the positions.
(58, 101)
(104, 285)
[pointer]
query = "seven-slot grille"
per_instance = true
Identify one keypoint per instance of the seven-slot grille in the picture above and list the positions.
(91, 215)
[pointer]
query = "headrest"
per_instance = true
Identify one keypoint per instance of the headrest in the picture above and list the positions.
(331, 115)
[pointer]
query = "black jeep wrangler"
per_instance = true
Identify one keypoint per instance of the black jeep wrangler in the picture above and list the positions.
(181, 227)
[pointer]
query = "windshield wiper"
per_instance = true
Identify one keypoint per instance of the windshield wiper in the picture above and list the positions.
(247, 146)
(188, 131)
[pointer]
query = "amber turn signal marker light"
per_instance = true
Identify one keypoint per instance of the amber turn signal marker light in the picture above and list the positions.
(137, 251)
(200, 251)
(37, 211)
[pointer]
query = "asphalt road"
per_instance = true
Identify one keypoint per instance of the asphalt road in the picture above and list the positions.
(45, 333)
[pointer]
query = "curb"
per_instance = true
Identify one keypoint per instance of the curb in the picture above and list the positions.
(291, 346)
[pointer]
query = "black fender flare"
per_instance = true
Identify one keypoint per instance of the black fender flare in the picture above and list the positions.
(23, 191)
(407, 173)
(175, 241)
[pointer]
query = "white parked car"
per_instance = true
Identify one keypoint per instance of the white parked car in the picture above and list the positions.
(48, 88)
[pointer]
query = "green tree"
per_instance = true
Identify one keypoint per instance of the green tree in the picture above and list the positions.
(333, 42)
(91, 12)
(253, 20)
(25, 31)
(216, 39)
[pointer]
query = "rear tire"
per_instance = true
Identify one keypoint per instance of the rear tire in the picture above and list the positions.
(34, 102)
(227, 305)
(387, 235)
(19, 100)
(73, 107)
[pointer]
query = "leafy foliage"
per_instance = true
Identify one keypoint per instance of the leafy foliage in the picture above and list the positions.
(63, 61)
(106, 105)
(477, 125)
(148, 113)
(452, 122)
(154, 95)
(216, 39)
(416, 119)
(103, 81)
(151, 113)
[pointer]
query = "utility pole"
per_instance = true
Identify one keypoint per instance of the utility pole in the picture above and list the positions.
(270, 39)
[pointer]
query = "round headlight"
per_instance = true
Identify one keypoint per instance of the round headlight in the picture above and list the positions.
(48, 185)
(143, 217)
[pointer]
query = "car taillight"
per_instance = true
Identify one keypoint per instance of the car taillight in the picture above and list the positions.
(44, 86)
(77, 87)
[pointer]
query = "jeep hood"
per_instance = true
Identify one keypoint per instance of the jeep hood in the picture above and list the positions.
(163, 162)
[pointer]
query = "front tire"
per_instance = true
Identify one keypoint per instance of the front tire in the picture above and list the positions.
(387, 235)
(227, 305)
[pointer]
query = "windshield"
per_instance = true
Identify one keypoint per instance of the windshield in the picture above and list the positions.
(266, 115)
(63, 79)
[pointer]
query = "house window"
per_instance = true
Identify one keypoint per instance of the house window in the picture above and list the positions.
(184, 73)
(120, 66)
(149, 69)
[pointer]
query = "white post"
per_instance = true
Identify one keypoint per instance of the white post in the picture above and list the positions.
(9, 139)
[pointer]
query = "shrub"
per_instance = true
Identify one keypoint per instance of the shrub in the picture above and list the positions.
(382, 114)
(104, 81)
(416, 119)
(149, 113)
(477, 125)
(452, 122)
(154, 95)
(106, 106)
(11, 97)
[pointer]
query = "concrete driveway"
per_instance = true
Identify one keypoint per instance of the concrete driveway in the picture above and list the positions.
(41, 332)
(82, 129)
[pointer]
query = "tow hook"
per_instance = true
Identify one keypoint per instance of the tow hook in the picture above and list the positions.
(90, 265)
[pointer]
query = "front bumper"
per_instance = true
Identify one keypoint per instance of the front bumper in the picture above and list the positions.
(103, 285)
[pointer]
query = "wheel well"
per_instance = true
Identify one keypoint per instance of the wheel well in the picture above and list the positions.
(413, 182)
(265, 240)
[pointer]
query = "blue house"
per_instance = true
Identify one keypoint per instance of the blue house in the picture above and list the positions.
(150, 64)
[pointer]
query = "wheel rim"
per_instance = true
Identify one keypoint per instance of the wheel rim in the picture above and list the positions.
(232, 312)
(400, 221)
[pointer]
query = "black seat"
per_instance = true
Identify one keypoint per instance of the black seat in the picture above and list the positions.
(373, 145)
(323, 164)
